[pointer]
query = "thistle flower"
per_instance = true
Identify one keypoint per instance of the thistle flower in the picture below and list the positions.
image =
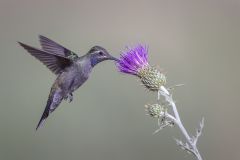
(134, 61)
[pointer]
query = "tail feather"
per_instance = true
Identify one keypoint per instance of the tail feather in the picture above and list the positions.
(54, 99)
(45, 113)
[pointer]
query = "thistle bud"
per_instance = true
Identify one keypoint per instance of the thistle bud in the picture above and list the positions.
(155, 110)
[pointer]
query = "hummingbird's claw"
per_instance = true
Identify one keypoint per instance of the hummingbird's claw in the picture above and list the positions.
(70, 97)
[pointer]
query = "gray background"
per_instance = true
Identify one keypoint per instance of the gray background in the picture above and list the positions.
(196, 42)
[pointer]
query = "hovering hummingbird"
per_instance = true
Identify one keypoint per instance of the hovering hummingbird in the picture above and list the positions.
(71, 70)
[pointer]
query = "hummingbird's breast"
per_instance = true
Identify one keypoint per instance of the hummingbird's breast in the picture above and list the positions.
(73, 77)
(84, 67)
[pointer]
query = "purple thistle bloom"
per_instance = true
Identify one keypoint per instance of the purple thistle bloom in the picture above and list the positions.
(133, 59)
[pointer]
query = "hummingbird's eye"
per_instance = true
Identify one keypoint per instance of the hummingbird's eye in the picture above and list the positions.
(100, 53)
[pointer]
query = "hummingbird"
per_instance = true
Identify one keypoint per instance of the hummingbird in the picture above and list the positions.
(71, 70)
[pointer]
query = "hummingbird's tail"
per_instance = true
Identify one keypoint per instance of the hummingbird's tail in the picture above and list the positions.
(54, 99)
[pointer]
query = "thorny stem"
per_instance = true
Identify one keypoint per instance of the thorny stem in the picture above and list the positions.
(176, 119)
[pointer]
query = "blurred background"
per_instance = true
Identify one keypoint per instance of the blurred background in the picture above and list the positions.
(195, 42)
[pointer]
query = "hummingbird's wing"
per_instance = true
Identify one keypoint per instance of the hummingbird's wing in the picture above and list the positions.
(50, 46)
(55, 62)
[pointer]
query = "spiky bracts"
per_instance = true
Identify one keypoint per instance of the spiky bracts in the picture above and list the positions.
(152, 78)
(134, 61)
(155, 110)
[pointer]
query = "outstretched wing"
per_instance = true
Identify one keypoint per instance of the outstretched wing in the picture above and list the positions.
(55, 62)
(50, 46)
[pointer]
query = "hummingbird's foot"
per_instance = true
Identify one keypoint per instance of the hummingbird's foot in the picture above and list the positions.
(70, 97)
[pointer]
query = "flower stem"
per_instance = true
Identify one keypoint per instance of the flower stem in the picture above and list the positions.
(176, 118)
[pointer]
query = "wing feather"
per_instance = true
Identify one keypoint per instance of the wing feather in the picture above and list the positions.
(50, 46)
(55, 62)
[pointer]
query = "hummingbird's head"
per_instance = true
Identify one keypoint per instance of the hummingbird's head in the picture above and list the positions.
(98, 54)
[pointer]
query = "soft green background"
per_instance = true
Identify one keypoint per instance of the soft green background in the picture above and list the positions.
(197, 42)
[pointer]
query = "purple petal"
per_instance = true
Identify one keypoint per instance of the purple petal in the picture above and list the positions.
(133, 59)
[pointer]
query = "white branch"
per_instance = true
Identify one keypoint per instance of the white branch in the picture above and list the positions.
(190, 146)
(185, 146)
(198, 132)
(161, 126)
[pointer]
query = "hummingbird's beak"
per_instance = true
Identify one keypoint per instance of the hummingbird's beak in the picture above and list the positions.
(113, 58)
